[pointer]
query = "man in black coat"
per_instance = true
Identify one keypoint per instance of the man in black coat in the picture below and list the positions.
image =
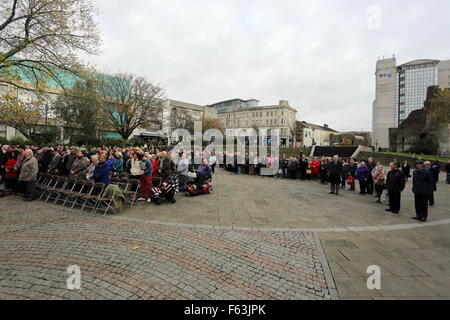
(447, 169)
(422, 188)
(303, 164)
(370, 165)
(61, 169)
(352, 171)
(284, 164)
(293, 168)
(434, 170)
(335, 169)
(406, 170)
(395, 184)
(165, 166)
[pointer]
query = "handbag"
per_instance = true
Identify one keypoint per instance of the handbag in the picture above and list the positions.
(350, 180)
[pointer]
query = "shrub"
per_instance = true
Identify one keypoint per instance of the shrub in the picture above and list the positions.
(424, 146)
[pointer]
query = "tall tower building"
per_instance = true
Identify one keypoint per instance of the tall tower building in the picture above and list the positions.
(401, 90)
(383, 114)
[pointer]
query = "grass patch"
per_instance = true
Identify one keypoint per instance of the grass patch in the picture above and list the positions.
(423, 156)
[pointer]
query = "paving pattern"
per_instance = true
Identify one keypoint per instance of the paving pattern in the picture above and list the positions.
(280, 204)
(123, 258)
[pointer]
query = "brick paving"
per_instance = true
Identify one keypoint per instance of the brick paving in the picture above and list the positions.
(254, 238)
(123, 258)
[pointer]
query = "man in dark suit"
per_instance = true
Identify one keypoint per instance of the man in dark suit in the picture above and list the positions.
(406, 170)
(434, 170)
(422, 188)
(395, 184)
(335, 169)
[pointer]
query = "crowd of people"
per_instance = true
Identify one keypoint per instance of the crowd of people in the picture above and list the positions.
(372, 177)
(20, 165)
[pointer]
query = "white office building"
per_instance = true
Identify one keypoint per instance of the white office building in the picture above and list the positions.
(399, 90)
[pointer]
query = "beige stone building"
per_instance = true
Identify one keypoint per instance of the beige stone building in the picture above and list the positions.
(309, 134)
(241, 115)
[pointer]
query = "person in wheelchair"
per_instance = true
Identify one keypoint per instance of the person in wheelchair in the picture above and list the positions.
(203, 174)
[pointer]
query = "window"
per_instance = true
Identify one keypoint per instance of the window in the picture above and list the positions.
(2, 130)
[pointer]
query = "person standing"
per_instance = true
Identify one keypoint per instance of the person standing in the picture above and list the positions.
(352, 167)
(155, 165)
(284, 163)
(363, 174)
(61, 168)
(447, 169)
(102, 172)
(335, 173)
(54, 163)
(370, 183)
(303, 166)
(10, 174)
(406, 170)
(164, 166)
(212, 161)
(3, 159)
(379, 178)
(315, 168)
(422, 188)
(28, 175)
(70, 160)
(395, 184)
(79, 166)
(434, 169)
(183, 170)
(146, 180)
(91, 167)
(324, 171)
(118, 164)
(345, 166)
(293, 168)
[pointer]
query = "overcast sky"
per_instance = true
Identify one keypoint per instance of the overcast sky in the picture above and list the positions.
(319, 55)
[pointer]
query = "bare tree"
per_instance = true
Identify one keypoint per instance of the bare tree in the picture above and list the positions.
(39, 39)
(80, 109)
(181, 119)
(131, 102)
(23, 115)
(211, 123)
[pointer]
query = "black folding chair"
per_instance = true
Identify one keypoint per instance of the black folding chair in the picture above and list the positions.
(55, 190)
(72, 195)
(48, 185)
(66, 191)
(86, 189)
(90, 199)
(131, 194)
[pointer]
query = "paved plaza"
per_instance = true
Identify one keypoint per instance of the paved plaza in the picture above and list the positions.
(254, 238)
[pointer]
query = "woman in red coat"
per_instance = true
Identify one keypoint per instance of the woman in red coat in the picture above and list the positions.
(11, 172)
(315, 167)
(155, 163)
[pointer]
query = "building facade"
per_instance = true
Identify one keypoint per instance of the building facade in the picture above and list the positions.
(26, 92)
(401, 90)
(238, 118)
(420, 132)
(309, 135)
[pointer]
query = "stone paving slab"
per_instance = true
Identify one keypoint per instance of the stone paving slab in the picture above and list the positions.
(413, 263)
(253, 201)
